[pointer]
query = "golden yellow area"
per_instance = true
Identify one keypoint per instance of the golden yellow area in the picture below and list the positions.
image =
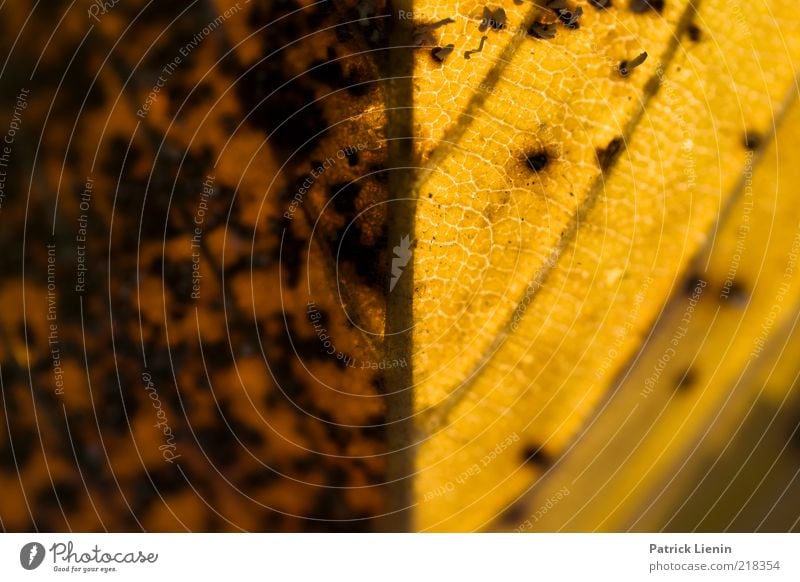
(706, 363)
(512, 351)
(486, 223)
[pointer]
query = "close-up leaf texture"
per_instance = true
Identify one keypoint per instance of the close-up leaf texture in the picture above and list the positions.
(399, 265)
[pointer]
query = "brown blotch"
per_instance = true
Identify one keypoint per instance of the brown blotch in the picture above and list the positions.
(625, 67)
(494, 19)
(752, 140)
(542, 30)
(735, 293)
(468, 54)
(535, 455)
(439, 54)
(686, 380)
(692, 282)
(642, 6)
(568, 16)
(537, 160)
(515, 514)
(423, 33)
(694, 33)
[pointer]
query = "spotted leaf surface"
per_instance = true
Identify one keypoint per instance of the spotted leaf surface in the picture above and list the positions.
(362, 265)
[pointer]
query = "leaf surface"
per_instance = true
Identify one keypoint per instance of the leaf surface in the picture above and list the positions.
(553, 359)
(444, 246)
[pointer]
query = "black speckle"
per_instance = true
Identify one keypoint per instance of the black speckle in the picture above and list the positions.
(537, 161)
(686, 380)
(63, 494)
(439, 54)
(343, 196)
(735, 293)
(752, 140)
(542, 30)
(642, 6)
(181, 96)
(368, 258)
(691, 284)
(494, 19)
(468, 54)
(423, 36)
(165, 481)
(607, 156)
(571, 18)
(514, 514)
(352, 157)
(535, 455)
(294, 247)
(15, 455)
(625, 67)
(600, 4)
(566, 15)
(694, 32)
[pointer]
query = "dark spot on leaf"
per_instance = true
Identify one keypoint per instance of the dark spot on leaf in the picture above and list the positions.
(494, 19)
(735, 293)
(439, 54)
(625, 67)
(691, 284)
(15, 455)
(63, 494)
(537, 161)
(514, 514)
(542, 30)
(368, 259)
(752, 140)
(292, 250)
(291, 113)
(606, 157)
(328, 72)
(352, 157)
(468, 54)
(568, 16)
(686, 380)
(535, 455)
(571, 18)
(379, 173)
(694, 32)
(423, 35)
(343, 197)
(642, 6)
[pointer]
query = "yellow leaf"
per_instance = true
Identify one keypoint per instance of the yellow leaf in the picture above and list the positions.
(523, 342)
(704, 365)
